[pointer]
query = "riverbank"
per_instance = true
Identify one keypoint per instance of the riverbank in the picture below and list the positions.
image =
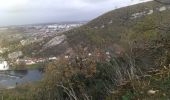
(28, 67)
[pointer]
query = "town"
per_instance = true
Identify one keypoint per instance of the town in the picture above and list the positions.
(27, 35)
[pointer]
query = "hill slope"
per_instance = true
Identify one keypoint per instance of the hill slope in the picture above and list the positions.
(113, 24)
(142, 30)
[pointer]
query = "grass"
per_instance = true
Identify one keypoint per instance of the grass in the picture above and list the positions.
(21, 92)
(34, 66)
(27, 67)
(139, 89)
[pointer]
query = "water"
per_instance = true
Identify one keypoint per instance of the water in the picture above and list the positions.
(9, 79)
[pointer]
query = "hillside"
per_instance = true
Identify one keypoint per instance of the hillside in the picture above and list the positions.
(121, 55)
(141, 30)
(113, 24)
(108, 31)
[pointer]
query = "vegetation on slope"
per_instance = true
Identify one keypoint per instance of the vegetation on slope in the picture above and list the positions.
(148, 35)
(137, 62)
(93, 81)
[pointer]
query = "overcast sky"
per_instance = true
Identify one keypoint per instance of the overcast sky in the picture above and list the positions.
(15, 12)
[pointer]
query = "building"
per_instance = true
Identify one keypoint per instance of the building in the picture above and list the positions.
(4, 65)
(25, 62)
(29, 62)
(53, 58)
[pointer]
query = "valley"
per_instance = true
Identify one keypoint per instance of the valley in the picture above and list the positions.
(123, 54)
(26, 44)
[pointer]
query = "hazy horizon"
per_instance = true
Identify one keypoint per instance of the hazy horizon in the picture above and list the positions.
(21, 12)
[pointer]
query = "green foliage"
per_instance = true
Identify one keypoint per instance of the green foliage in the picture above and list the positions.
(128, 96)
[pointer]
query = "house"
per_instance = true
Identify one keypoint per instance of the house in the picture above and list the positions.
(29, 62)
(40, 60)
(66, 57)
(20, 62)
(4, 65)
(25, 61)
(53, 58)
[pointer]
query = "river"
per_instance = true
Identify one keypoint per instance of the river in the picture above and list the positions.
(9, 79)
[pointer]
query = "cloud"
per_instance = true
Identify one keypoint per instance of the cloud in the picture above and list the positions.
(14, 6)
(35, 11)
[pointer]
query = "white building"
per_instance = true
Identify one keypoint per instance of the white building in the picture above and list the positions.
(29, 62)
(53, 58)
(66, 57)
(4, 65)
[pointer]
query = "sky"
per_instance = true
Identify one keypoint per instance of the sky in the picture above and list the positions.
(19, 12)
